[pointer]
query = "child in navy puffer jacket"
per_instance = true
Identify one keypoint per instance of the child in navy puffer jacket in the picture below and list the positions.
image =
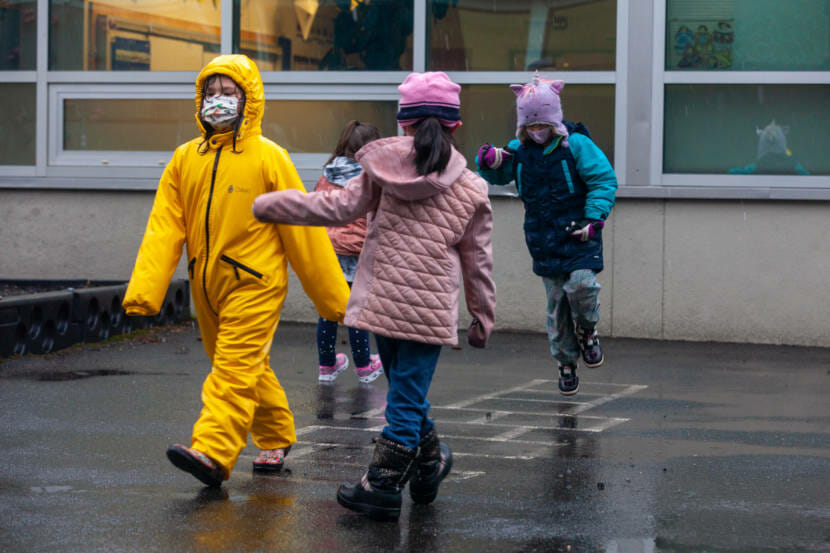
(568, 189)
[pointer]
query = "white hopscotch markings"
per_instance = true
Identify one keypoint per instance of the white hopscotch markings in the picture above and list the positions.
(475, 417)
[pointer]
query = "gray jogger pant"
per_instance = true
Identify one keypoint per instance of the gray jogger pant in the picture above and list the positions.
(573, 300)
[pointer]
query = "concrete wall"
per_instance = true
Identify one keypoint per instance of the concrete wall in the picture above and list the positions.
(719, 270)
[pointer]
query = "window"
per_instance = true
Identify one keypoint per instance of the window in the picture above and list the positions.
(517, 35)
(139, 35)
(17, 141)
(748, 35)
(18, 22)
(309, 126)
(134, 128)
(134, 124)
(747, 129)
(314, 35)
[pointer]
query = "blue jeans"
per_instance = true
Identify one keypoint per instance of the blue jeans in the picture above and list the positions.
(409, 366)
(327, 341)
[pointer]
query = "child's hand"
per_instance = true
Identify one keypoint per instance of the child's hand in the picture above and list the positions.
(584, 229)
(475, 334)
(492, 158)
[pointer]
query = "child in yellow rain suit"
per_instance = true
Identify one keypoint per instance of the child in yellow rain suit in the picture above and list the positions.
(237, 268)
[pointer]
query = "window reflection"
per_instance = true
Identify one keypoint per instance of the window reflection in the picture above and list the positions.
(515, 35)
(489, 115)
(746, 129)
(334, 35)
(299, 126)
(748, 35)
(133, 35)
(18, 113)
(18, 28)
(304, 126)
(128, 125)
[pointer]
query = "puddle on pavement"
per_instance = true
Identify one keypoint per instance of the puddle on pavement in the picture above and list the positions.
(58, 376)
(50, 489)
(63, 376)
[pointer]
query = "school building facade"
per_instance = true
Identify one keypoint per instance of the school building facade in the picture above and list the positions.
(715, 114)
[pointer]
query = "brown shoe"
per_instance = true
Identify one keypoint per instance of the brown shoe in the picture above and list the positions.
(196, 463)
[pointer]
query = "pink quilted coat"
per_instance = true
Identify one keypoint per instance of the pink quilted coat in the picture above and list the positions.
(424, 233)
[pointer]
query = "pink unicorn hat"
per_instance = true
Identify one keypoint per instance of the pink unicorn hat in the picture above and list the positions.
(538, 102)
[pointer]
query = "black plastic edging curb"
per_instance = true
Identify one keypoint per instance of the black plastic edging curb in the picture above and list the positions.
(49, 321)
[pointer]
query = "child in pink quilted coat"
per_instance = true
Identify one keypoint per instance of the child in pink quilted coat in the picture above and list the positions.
(429, 224)
(347, 241)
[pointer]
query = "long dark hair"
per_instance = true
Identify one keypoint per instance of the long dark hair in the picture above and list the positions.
(353, 137)
(209, 130)
(433, 146)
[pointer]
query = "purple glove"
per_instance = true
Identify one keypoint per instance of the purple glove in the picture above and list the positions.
(475, 334)
(584, 229)
(491, 157)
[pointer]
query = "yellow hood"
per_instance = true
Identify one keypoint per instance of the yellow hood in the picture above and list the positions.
(244, 73)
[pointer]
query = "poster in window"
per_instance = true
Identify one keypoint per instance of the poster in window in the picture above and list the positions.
(700, 43)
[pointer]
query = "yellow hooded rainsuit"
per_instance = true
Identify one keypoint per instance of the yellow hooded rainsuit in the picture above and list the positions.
(237, 268)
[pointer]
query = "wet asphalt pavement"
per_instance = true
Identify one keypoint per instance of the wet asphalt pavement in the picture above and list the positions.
(669, 447)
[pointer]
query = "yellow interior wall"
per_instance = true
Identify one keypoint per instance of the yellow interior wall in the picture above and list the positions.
(194, 11)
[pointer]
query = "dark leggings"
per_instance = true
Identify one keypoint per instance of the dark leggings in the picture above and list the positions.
(327, 340)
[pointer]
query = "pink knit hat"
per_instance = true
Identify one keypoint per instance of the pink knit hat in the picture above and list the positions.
(538, 102)
(430, 94)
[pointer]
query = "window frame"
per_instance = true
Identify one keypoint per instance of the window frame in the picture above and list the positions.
(148, 165)
(98, 161)
(58, 168)
(646, 114)
(724, 185)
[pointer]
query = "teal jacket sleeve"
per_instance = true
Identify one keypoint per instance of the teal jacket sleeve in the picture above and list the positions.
(504, 174)
(599, 176)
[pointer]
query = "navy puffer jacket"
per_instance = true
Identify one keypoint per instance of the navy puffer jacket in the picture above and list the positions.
(558, 185)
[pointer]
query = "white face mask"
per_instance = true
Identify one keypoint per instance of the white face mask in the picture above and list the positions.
(539, 137)
(220, 111)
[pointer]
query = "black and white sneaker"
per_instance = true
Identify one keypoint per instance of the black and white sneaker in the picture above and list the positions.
(590, 348)
(568, 381)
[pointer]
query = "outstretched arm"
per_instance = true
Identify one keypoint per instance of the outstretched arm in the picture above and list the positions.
(329, 208)
(495, 165)
(308, 248)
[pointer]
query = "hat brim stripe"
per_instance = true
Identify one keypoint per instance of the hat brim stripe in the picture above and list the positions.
(450, 113)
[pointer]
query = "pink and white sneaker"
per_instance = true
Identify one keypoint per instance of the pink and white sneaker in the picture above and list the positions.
(370, 372)
(328, 373)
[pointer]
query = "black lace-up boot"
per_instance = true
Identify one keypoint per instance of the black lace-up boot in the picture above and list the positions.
(589, 345)
(378, 493)
(433, 463)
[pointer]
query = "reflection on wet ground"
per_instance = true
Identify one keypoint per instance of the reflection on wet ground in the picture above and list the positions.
(347, 403)
(667, 448)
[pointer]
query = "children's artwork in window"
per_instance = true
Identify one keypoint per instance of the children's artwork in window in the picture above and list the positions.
(700, 44)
